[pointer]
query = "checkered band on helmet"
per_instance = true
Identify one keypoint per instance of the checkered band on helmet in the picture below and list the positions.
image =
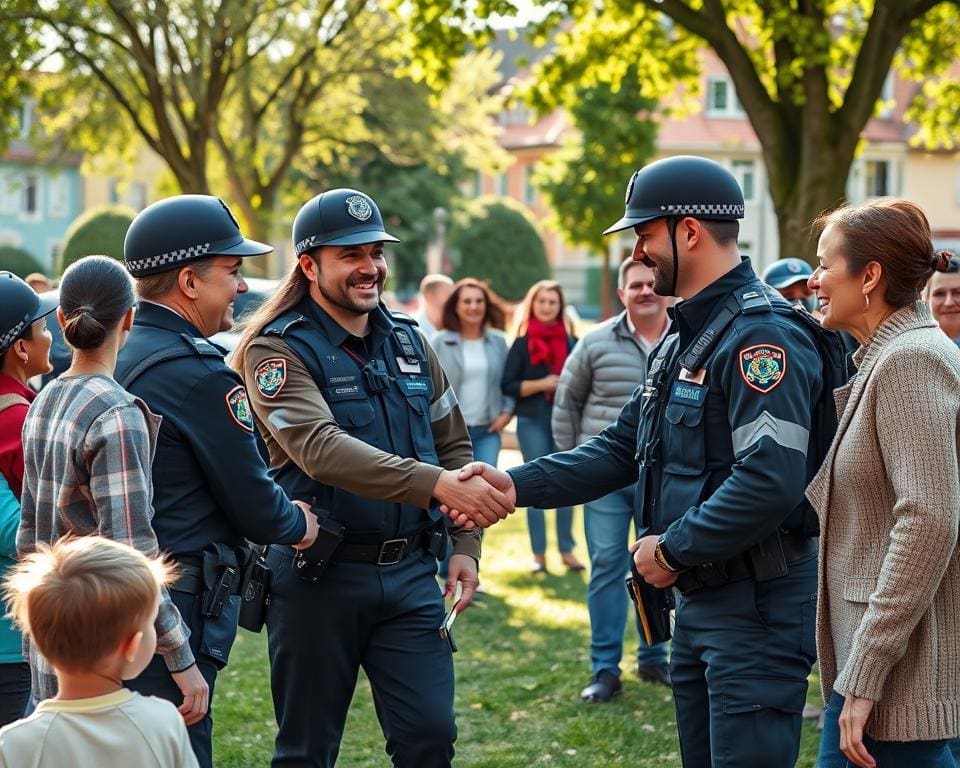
(171, 257)
(11, 336)
(709, 209)
(306, 244)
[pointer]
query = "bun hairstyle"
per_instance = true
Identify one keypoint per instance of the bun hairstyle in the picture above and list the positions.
(942, 261)
(95, 293)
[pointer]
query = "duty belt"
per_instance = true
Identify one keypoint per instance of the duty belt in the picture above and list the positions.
(389, 552)
(795, 549)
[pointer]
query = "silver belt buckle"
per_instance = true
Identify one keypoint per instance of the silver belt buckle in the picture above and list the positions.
(392, 551)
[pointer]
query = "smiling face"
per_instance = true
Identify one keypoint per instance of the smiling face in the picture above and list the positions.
(945, 302)
(218, 287)
(546, 305)
(654, 250)
(347, 278)
(471, 307)
(639, 295)
(840, 294)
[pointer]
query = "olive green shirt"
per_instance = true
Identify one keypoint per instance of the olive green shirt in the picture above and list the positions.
(297, 425)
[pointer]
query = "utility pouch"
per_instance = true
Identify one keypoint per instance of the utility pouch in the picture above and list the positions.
(255, 580)
(766, 559)
(437, 541)
(221, 578)
(309, 564)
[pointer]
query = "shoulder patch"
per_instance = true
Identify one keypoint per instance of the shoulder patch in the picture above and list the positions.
(270, 376)
(238, 406)
(763, 366)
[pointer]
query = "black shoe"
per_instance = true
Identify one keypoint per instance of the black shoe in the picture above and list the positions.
(656, 674)
(603, 687)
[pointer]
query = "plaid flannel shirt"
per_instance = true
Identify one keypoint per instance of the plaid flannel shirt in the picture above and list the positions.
(88, 445)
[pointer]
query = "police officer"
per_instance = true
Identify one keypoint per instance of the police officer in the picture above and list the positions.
(732, 422)
(357, 414)
(210, 485)
(789, 277)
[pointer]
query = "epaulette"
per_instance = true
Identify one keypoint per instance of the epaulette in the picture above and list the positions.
(397, 315)
(203, 347)
(282, 324)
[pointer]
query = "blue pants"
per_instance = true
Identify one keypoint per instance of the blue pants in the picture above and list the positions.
(739, 662)
(384, 619)
(155, 680)
(536, 440)
(888, 754)
(606, 525)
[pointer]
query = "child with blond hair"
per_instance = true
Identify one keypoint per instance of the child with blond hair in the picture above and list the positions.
(89, 605)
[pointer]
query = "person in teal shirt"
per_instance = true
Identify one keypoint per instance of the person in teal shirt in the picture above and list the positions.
(14, 671)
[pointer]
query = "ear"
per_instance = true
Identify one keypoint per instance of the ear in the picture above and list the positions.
(872, 275)
(309, 266)
(126, 322)
(621, 294)
(61, 318)
(19, 348)
(130, 646)
(690, 230)
(187, 280)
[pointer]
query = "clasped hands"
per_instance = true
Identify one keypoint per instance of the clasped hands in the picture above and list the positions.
(476, 496)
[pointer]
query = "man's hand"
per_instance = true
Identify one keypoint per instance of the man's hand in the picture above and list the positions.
(500, 422)
(462, 568)
(313, 526)
(853, 719)
(196, 694)
(477, 502)
(647, 566)
(497, 479)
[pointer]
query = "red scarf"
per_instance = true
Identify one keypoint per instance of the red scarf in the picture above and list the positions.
(548, 344)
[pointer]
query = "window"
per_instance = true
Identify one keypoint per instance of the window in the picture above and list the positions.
(25, 117)
(9, 194)
(59, 196)
(878, 178)
(31, 195)
(745, 171)
(501, 184)
(515, 114)
(478, 184)
(722, 100)
(529, 190)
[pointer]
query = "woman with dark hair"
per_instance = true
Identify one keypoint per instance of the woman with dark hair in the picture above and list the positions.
(532, 372)
(88, 445)
(888, 496)
(473, 350)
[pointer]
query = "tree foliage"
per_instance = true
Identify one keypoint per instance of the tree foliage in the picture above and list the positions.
(98, 231)
(495, 239)
(808, 75)
(18, 261)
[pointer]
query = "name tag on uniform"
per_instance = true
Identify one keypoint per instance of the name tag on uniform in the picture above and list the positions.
(688, 394)
(406, 367)
(418, 386)
(694, 377)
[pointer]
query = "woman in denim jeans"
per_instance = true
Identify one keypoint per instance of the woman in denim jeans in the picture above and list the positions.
(544, 339)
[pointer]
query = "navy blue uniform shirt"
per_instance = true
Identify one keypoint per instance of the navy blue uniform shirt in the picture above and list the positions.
(733, 462)
(210, 483)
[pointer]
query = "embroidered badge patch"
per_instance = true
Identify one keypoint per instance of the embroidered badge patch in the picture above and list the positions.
(239, 407)
(270, 376)
(359, 208)
(763, 366)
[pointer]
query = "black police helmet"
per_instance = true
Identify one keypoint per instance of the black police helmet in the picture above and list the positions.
(180, 229)
(20, 305)
(339, 217)
(685, 185)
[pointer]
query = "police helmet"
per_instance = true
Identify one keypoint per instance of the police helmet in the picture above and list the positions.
(339, 217)
(685, 185)
(180, 229)
(20, 305)
(786, 272)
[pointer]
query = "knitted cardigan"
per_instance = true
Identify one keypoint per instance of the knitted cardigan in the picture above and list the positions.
(888, 496)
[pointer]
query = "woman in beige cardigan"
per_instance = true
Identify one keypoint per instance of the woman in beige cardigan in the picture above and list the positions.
(888, 496)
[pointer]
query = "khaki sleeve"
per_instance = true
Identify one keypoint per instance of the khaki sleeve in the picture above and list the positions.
(452, 441)
(298, 426)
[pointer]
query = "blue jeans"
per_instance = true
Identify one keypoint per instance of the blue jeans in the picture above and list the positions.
(536, 440)
(606, 524)
(888, 754)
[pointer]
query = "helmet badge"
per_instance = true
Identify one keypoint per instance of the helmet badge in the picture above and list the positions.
(358, 207)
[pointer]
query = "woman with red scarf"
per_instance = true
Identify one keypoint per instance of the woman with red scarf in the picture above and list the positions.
(530, 376)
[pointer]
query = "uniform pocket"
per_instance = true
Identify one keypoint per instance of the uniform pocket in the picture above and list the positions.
(421, 432)
(752, 694)
(219, 633)
(684, 444)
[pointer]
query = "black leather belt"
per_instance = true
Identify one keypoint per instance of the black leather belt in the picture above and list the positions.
(795, 549)
(389, 552)
(189, 579)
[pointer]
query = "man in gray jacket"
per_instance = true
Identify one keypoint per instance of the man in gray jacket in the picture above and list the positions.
(599, 377)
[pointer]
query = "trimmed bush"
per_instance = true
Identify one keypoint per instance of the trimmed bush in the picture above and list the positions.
(495, 239)
(97, 231)
(18, 261)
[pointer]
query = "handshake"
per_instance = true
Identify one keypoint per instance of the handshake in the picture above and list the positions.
(477, 496)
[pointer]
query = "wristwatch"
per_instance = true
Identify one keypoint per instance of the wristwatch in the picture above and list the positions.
(660, 559)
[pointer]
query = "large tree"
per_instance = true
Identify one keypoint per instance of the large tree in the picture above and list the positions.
(807, 72)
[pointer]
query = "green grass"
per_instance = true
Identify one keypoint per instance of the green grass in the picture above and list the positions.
(523, 659)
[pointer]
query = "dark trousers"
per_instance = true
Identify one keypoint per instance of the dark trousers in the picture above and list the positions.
(155, 680)
(14, 691)
(383, 619)
(739, 662)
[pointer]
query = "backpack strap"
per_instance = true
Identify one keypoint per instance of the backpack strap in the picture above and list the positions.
(8, 401)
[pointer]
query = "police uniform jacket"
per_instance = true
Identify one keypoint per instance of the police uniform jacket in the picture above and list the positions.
(732, 460)
(369, 459)
(210, 483)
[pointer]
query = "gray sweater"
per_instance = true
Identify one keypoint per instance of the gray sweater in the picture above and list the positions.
(599, 377)
(888, 496)
(449, 349)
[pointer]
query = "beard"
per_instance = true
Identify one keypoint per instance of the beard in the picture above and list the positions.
(663, 278)
(339, 295)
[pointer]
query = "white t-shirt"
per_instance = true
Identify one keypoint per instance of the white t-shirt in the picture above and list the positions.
(473, 390)
(119, 730)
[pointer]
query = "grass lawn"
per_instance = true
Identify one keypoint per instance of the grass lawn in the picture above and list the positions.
(523, 659)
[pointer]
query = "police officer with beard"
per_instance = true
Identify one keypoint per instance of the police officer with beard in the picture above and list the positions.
(211, 489)
(357, 416)
(734, 419)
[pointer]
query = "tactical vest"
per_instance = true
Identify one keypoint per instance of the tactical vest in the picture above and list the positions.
(151, 346)
(384, 402)
(657, 413)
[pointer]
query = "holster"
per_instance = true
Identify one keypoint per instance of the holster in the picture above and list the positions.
(221, 578)
(309, 564)
(255, 581)
(766, 559)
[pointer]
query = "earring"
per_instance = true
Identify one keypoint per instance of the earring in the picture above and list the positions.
(866, 298)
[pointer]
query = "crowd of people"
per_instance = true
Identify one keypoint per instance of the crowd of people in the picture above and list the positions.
(789, 500)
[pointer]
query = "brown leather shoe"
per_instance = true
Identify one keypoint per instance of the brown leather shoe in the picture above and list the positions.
(657, 674)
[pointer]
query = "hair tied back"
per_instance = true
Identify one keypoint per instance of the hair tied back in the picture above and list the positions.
(941, 261)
